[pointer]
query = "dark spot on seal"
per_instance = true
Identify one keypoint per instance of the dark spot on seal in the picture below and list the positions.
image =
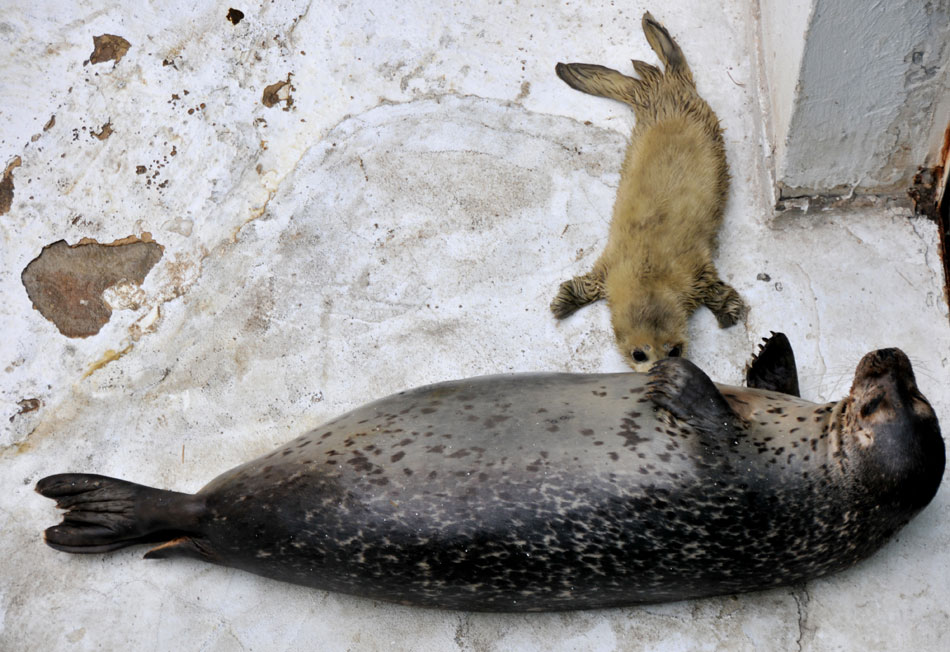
(427, 410)
(494, 420)
(460, 454)
(397, 456)
(552, 428)
(587, 432)
(613, 456)
(542, 410)
(438, 448)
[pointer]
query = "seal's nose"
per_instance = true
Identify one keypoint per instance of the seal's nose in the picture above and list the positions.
(890, 355)
(884, 361)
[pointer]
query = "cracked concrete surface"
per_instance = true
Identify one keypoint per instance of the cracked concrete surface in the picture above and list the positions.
(406, 220)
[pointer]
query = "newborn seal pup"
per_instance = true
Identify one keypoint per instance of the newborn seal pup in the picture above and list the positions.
(536, 492)
(657, 267)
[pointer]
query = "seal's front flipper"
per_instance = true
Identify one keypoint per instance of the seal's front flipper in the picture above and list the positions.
(680, 388)
(773, 368)
(104, 514)
(601, 81)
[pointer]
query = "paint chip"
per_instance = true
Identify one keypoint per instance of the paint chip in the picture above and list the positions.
(108, 47)
(235, 16)
(104, 132)
(66, 282)
(278, 92)
(27, 405)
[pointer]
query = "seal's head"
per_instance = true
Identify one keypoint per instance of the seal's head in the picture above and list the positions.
(650, 329)
(897, 425)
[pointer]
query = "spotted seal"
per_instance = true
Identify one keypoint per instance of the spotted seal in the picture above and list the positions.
(657, 267)
(533, 492)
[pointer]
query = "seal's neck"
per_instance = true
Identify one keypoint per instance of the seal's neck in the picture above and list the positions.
(834, 424)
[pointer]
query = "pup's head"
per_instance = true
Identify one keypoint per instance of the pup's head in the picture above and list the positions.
(650, 329)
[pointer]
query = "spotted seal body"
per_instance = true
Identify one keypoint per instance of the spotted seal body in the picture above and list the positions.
(551, 491)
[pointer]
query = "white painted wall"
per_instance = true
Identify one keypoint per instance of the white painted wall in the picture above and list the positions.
(783, 26)
(868, 105)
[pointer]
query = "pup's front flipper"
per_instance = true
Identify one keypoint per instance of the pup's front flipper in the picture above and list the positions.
(724, 302)
(773, 368)
(577, 293)
(680, 388)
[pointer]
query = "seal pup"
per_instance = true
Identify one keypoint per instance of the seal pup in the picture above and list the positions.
(657, 267)
(532, 492)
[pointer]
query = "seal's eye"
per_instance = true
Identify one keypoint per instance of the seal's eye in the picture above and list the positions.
(868, 408)
(675, 352)
(639, 355)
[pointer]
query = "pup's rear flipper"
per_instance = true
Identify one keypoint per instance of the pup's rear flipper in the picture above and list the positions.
(665, 47)
(104, 514)
(601, 81)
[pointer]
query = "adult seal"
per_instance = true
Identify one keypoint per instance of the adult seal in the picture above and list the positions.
(534, 492)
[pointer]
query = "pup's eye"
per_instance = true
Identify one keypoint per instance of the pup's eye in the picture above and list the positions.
(675, 352)
(639, 355)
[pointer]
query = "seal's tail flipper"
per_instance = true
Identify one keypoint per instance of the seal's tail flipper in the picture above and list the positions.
(104, 514)
(601, 81)
(665, 47)
(773, 368)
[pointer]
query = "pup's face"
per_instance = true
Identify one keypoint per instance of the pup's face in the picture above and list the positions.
(648, 330)
(641, 346)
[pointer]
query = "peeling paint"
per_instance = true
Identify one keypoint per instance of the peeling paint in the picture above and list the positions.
(108, 47)
(6, 186)
(235, 16)
(104, 132)
(66, 282)
(26, 405)
(278, 92)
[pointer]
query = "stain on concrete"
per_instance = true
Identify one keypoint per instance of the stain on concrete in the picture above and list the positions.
(277, 93)
(66, 282)
(107, 357)
(108, 47)
(6, 186)
(235, 16)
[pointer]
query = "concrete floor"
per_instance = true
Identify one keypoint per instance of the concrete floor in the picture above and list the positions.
(404, 219)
